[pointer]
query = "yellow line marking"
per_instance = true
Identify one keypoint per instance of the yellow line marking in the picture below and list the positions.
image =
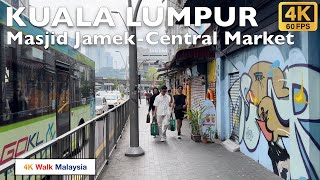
(103, 145)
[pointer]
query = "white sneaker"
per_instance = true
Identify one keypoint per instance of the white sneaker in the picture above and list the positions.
(179, 137)
(162, 139)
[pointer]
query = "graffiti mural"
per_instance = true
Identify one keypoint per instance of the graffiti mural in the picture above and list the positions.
(279, 117)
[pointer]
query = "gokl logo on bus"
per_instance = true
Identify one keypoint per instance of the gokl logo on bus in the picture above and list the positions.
(17, 148)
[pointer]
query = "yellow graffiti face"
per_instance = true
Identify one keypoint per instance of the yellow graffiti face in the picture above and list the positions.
(261, 74)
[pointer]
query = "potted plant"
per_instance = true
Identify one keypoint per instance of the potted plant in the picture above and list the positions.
(209, 133)
(205, 138)
(195, 117)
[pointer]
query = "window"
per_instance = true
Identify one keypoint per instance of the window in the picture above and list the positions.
(28, 89)
(2, 74)
(63, 98)
(86, 83)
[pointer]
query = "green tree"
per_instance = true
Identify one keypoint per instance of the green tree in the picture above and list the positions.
(116, 84)
(151, 73)
(161, 83)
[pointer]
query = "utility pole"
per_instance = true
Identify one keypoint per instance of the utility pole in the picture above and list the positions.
(134, 149)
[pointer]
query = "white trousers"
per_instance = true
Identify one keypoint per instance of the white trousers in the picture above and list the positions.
(163, 124)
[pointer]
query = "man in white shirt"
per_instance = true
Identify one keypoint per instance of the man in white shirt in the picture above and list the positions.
(162, 105)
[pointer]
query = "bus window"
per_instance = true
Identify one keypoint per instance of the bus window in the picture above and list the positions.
(51, 89)
(27, 86)
(85, 85)
(63, 103)
(14, 87)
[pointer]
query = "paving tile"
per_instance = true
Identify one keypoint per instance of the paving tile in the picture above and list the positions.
(179, 159)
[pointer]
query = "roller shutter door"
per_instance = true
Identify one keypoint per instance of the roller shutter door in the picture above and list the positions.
(198, 91)
(234, 105)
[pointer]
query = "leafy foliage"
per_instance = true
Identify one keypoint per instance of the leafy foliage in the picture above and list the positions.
(208, 133)
(195, 116)
(152, 74)
(116, 84)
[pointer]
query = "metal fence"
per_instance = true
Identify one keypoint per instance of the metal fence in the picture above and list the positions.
(96, 138)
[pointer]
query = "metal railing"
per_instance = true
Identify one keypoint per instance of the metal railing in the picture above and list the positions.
(96, 138)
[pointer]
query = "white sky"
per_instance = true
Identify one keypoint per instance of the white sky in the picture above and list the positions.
(91, 8)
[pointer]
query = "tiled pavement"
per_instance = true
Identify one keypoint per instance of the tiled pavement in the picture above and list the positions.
(180, 159)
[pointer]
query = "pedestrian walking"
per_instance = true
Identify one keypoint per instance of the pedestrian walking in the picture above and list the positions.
(171, 100)
(162, 105)
(152, 98)
(180, 108)
(148, 94)
(140, 96)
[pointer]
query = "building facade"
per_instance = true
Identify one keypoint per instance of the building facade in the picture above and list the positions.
(148, 58)
(108, 60)
(273, 115)
(102, 58)
(265, 95)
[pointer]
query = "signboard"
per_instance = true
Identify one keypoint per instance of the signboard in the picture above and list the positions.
(208, 124)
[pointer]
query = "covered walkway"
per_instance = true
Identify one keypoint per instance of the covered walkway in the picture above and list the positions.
(179, 159)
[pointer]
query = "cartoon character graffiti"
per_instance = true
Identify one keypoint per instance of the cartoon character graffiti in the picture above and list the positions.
(267, 117)
(276, 113)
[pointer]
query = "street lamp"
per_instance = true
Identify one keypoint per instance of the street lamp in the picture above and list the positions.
(134, 150)
(142, 63)
(124, 62)
(117, 12)
(125, 67)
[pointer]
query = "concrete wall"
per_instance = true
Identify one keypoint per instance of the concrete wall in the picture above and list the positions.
(279, 115)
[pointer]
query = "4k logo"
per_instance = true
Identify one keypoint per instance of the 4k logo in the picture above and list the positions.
(298, 16)
(28, 167)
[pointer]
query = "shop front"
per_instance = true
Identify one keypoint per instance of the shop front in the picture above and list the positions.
(192, 73)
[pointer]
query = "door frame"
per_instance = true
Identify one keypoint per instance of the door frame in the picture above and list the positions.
(65, 68)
